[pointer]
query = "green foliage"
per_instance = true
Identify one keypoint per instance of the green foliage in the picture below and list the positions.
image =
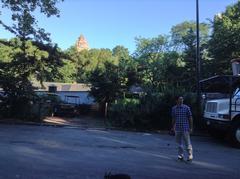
(36, 60)
(184, 41)
(163, 74)
(149, 112)
(28, 106)
(29, 56)
(225, 40)
(44, 105)
(164, 66)
(149, 55)
(24, 23)
(124, 113)
(18, 94)
(5, 51)
(86, 61)
(113, 75)
(180, 34)
(121, 52)
(67, 73)
(106, 84)
(152, 111)
(158, 66)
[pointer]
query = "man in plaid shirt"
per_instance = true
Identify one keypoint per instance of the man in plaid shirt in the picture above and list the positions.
(182, 125)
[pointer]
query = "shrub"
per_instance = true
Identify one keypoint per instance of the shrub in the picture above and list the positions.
(124, 112)
(152, 111)
(31, 108)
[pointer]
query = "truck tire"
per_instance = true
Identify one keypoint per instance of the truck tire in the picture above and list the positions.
(235, 134)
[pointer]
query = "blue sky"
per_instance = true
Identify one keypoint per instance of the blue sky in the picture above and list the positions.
(107, 23)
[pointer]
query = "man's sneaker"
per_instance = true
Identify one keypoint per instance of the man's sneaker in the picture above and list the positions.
(180, 158)
(190, 158)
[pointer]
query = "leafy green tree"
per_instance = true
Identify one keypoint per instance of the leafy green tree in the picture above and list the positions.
(33, 57)
(121, 52)
(24, 23)
(87, 61)
(180, 34)
(76, 62)
(172, 70)
(127, 66)
(114, 77)
(67, 73)
(5, 51)
(183, 37)
(106, 86)
(225, 40)
(37, 62)
(150, 55)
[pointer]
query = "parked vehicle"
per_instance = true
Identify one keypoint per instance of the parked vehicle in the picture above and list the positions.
(222, 115)
(67, 108)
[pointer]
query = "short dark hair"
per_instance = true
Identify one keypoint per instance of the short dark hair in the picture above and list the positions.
(177, 97)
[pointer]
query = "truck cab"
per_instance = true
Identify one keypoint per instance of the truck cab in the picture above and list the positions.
(222, 111)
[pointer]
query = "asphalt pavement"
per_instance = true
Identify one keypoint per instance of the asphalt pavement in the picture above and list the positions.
(46, 152)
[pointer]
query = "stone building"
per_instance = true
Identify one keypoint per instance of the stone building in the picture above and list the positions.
(82, 43)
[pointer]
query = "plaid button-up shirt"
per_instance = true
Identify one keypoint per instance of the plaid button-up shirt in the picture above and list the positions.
(181, 114)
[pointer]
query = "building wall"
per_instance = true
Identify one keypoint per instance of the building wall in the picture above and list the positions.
(83, 97)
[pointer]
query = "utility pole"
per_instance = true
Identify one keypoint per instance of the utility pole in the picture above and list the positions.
(198, 64)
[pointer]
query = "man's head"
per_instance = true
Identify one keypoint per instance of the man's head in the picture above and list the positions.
(179, 100)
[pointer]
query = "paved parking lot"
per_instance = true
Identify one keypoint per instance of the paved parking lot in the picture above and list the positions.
(65, 152)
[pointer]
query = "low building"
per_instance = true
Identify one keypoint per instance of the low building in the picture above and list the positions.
(75, 93)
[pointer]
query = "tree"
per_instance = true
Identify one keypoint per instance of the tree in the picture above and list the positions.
(127, 66)
(121, 53)
(34, 58)
(225, 40)
(114, 77)
(180, 34)
(87, 61)
(67, 73)
(106, 85)
(24, 23)
(5, 51)
(183, 39)
(150, 57)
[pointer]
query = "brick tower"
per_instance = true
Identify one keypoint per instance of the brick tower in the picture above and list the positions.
(82, 43)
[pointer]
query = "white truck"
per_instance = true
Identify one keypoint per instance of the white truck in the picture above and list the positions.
(222, 115)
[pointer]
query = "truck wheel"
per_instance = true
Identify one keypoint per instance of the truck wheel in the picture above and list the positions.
(236, 135)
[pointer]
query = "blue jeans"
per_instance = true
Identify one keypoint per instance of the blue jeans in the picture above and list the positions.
(184, 137)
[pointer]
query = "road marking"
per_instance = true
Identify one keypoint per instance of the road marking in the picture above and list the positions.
(96, 130)
(146, 134)
(71, 127)
(118, 141)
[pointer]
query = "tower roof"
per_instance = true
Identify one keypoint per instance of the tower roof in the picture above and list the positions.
(82, 43)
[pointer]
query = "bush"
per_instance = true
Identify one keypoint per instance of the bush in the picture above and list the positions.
(18, 107)
(43, 106)
(152, 111)
(31, 108)
(124, 112)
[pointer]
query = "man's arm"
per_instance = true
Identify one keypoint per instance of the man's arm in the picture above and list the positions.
(173, 123)
(190, 119)
(173, 120)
